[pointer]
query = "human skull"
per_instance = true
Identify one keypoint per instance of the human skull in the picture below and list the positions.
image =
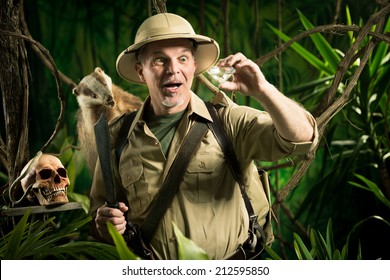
(49, 181)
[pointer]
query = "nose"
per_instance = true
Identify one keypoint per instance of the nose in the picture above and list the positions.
(57, 179)
(173, 67)
(110, 101)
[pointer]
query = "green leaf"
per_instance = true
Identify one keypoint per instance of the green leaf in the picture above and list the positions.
(336, 255)
(322, 45)
(359, 256)
(329, 239)
(308, 56)
(321, 248)
(349, 22)
(272, 253)
(36, 241)
(82, 249)
(373, 187)
(15, 239)
(39, 240)
(344, 252)
(310, 85)
(325, 247)
(301, 249)
(76, 197)
(124, 252)
(380, 55)
(187, 249)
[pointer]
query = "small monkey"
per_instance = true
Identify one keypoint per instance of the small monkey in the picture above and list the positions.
(96, 94)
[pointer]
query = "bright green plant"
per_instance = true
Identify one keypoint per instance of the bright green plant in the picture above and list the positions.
(323, 248)
(356, 138)
(187, 249)
(120, 244)
(38, 240)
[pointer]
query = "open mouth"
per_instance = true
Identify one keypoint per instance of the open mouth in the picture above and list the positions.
(172, 85)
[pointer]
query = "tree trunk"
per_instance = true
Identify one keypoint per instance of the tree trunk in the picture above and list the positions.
(14, 90)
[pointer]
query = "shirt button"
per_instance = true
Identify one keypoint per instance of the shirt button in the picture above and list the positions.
(156, 143)
(172, 239)
(202, 164)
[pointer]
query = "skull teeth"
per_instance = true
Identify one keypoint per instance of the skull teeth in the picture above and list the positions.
(57, 192)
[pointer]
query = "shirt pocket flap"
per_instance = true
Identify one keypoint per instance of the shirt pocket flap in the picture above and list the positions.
(131, 172)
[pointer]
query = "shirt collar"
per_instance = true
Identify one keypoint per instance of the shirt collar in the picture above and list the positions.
(196, 106)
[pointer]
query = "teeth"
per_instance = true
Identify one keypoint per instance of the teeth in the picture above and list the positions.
(58, 192)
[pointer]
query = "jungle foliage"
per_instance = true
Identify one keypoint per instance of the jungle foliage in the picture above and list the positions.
(345, 189)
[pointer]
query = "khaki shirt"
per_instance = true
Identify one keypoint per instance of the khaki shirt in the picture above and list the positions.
(208, 208)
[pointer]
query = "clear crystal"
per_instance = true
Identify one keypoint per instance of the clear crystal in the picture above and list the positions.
(221, 74)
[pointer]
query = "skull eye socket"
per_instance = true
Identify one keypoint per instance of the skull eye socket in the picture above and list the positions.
(62, 172)
(45, 174)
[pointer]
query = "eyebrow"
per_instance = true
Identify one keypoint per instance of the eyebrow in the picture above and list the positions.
(192, 49)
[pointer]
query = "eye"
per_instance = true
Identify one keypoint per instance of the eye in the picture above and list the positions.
(94, 95)
(159, 61)
(183, 59)
(45, 174)
(62, 172)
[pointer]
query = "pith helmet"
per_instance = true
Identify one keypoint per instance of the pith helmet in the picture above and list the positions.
(164, 26)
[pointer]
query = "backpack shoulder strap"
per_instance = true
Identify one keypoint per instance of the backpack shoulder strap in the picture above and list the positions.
(122, 134)
(233, 163)
(172, 181)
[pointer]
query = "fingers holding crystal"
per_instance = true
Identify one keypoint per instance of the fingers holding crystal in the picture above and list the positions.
(233, 60)
(247, 77)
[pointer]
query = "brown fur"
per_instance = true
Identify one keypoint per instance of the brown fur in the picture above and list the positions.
(95, 95)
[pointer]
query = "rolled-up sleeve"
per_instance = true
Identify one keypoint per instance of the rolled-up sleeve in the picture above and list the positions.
(301, 147)
(255, 137)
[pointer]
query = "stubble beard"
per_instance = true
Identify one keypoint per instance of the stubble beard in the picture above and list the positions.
(167, 103)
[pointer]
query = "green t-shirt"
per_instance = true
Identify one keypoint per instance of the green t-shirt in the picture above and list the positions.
(164, 127)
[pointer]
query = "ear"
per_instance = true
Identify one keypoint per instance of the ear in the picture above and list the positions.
(98, 70)
(139, 70)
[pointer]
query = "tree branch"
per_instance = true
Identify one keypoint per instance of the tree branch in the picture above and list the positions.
(3, 154)
(337, 105)
(55, 73)
(344, 65)
(330, 28)
(160, 6)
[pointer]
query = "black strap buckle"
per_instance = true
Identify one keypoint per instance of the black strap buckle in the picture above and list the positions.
(134, 241)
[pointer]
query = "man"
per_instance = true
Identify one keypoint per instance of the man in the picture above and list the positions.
(208, 207)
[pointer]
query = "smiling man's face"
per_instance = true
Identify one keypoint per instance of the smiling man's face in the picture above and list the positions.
(168, 68)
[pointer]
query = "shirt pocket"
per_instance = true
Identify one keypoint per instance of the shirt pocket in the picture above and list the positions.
(133, 180)
(200, 178)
